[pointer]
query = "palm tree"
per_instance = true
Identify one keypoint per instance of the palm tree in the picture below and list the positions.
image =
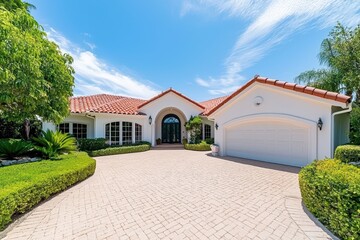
(340, 53)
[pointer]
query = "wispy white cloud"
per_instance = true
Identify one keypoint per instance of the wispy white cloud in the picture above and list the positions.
(271, 21)
(94, 76)
(92, 46)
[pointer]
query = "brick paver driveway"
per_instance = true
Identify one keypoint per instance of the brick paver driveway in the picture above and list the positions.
(175, 194)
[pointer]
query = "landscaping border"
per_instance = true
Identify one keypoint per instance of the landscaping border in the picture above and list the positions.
(50, 177)
(120, 150)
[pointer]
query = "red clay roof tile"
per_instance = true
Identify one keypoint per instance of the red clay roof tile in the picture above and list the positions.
(290, 86)
(166, 92)
(105, 103)
(210, 104)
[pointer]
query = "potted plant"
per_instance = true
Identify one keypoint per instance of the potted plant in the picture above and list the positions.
(158, 141)
(214, 149)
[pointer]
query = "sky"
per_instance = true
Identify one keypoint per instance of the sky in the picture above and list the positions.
(201, 48)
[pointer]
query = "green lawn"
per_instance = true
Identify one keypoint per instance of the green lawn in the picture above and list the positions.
(24, 185)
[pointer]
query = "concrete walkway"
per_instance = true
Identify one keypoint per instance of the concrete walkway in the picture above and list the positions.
(174, 194)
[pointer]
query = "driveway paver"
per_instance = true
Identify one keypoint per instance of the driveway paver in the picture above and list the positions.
(175, 194)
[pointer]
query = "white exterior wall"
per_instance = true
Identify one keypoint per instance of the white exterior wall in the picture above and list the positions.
(73, 118)
(208, 122)
(168, 101)
(101, 119)
(278, 102)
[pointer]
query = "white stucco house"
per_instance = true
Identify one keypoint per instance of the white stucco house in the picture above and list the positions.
(267, 120)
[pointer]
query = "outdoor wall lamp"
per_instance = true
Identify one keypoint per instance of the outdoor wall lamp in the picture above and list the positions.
(150, 120)
(216, 126)
(320, 124)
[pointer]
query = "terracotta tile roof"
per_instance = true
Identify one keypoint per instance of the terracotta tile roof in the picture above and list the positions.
(287, 85)
(173, 91)
(210, 104)
(105, 103)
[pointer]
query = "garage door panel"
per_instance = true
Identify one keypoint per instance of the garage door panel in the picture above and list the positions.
(273, 141)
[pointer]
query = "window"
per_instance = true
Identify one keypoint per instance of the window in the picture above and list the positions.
(207, 130)
(64, 128)
(138, 133)
(112, 133)
(127, 133)
(79, 130)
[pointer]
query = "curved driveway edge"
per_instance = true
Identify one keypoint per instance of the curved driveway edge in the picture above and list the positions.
(175, 194)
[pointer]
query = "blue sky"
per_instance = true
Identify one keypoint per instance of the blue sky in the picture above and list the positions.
(202, 48)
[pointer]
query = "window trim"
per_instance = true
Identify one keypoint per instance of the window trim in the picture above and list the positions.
(71, 127)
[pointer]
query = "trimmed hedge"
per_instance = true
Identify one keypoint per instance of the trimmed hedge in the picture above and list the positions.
(88, 144)
(331, 191)
(25, 185)
(120, 150)
(348, 153)
(198, 147)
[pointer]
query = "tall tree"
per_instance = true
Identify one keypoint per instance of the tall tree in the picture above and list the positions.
(340, 53)
(36, 79)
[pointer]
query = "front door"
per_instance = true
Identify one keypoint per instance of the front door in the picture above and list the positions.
(170, 129)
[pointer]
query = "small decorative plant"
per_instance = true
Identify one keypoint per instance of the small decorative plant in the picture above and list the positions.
(51, 144)
(158, 141)
(10, 149)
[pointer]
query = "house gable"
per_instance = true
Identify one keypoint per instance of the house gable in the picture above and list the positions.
(307, 91)
(169, 91)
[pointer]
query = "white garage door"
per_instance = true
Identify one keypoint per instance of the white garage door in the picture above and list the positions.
(270, 141)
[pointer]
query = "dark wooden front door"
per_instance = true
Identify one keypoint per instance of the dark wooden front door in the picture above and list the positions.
(171, 129)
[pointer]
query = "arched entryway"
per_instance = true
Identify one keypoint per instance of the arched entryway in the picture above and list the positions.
(171, 129)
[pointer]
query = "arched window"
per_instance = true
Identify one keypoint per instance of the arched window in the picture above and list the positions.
(126, 133)
(138, 133)
(112, 133)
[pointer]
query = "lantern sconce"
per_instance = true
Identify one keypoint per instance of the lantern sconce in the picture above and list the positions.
(320, 124)
(216, 126)
(150, 120)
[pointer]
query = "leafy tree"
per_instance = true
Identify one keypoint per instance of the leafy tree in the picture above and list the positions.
(9, 129)
(194, 127)
(13, 5)
(36, 78)
(340, 53)
(354, 134)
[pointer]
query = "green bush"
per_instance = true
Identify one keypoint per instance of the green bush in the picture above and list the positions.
(331, 191)
(348, 153)
(119, 150)
(203, 146)
(92, 144)
(51, 144)
(24, 185)
(14, 148)
(140, 143)
(209, 141)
